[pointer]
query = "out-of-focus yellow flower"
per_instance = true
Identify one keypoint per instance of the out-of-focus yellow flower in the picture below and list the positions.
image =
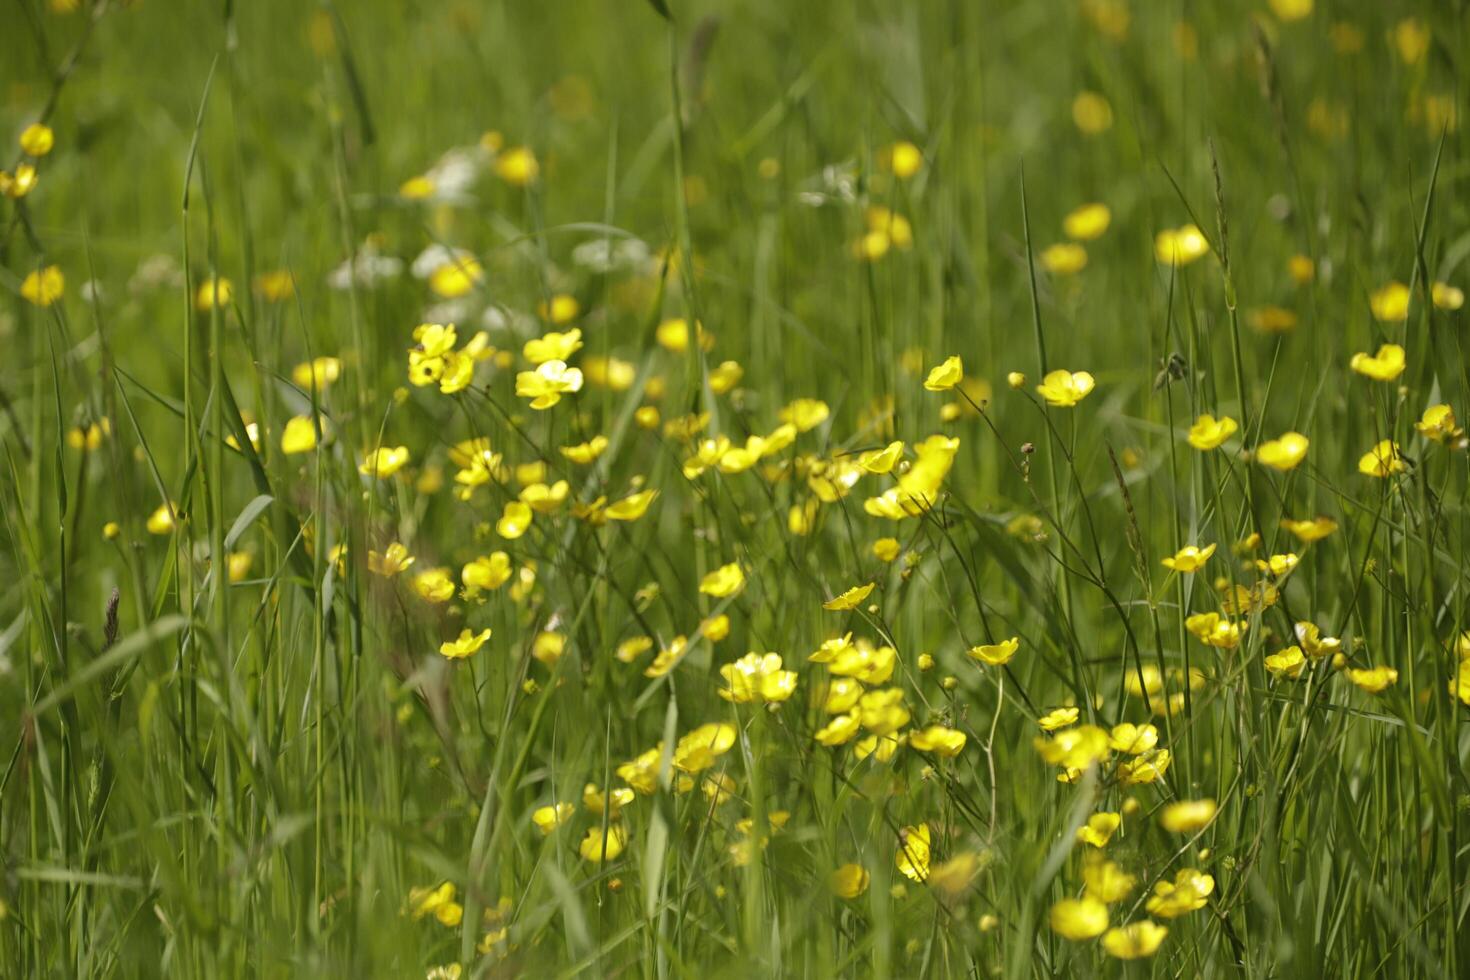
(214, 292)
(1088, 222)
(903, 159)
(1383, 460)
(757, 677)
(488, 572)
(1438, 424)
(1064, 389)
(1446, 297)
(1310, 529)
(1180, 246)
(1213, 630)
(417, 188)
(1411, 40)
(1099, 829)
(1272, 319)
(1079, 918)
(882, 460)
(90, 438)
(548, 818)
(1105, 881)
(553, 346)
(848, 881)
(161, 521)
(42, 287)
(1133, 739)
(1063, 258)
(723, 582)
(467, 643)
(1189, 890)
(938, 740)
(1189, 559)
(394, 559)
(517, 166)
(562, 308)
(37, 139)
(632, 507)
(1058, 718)
(945, 376)
(1277, 565)
(1374, 680)
(597, 846)
(886, 549)
(299, 435)
(317, 373)
(383, 462)
(457, 277)
(839, 731)
(1390, 302)
(1146, 768)
(1283, 453)
(1289, 10)
(548, 647)
(545, 385)
(1140, 939)
(515, 520)
(805, 413)
(1208, 432)
(1187, 816)
(996, 654)
(850, 599)
(434, 584)
(1301, 269)
(1091, 113)
(913, 852)
(17, 185)
(1386, 365)
(698, 750)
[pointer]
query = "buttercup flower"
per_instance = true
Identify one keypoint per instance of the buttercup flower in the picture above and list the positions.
(1209, 432)
(1065, 389)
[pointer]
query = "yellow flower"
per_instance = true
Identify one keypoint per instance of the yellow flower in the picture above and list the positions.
(1057, 718)
(553, 346)
(1272, 319)
(850, 599)
(1301, 269)
(1284, 453)
(1460, 685)
(1139, 939)
(805, 413)
(1105, 881)
(945, 376)
(1146, 768)
(563, 308)
(548, 818)
(673, 335)
(1016, 380)
(1374, 680)
(1133, 739)
(585, 452)
(849, 881)
(1314, 643)
(1064, 389)
(1187, 816)
(882, 712)
(434, 584)
(417, 188)
(161, 521)
(37, 139)
(1087, 222)
(214, 292)
(514, 521)
(20, 183)
(1209, 432)
(89, 438)
(1213, 630)
(429, 901)
(1188, 559)
(1188, 891)
(517, 166)
(757, 677)
(996, 654)
(1309, 530)
(466, 644)
(1091, 113)
(1438, 423)
(1064, 258)
(42, 287)
(1386, 365)
(394, 559)
(723, 582)
(598, 846)
(1411, 38)
(882, 460)
(1288, 663)
(1079, 918)
(699, 749)
(1446, 297)
(383, 463)
(545, 385)
(904, 159)
(317, 373)
(1383, 460)
(725, 376)
(632, 507)
(1277, 565)
(1288, 10)
(886, 549)
(1180, 246)
(839, 731)
(913, 852)
(1390, 302)
(1099, 829)
(938, 740)
(457, 277)
(299, 436)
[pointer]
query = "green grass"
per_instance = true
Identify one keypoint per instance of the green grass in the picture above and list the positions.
(246, 775)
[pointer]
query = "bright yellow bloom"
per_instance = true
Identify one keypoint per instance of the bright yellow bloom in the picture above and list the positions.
(488, 572)
(938, 740)
(545, 385)
(317, 373)
(757, 678)
(850, 599)
(698, 750)
(1411, 38)
(383, 462)
(945, 376)
(161, 521)
(1277, 565)
(1446, 297)
(631, 507)
(544, 498)
(1383, 460)
(918, 488)
(1087, 222)
(517, 166)
(597, 846)
(1079, 918)
(553, 346)
(1187, 816)
(1311, 529)
(1460, 685)
(1188, 891)
(1284, 453)
(548, 818)
(1099, 829)
(1091, 113)
(394, 559)
(1105, 880)
(1188, 559)
(214, 292)
(805, 413)
(1065, 389)
(913, 852)
(1209, 432)
(434, 584)
(1063, 258)
(1057, 718)
(1288, 663)
(1438, 424)
(1133, 739)
(466, 644)
(299, 436)
(563, 308)
(1386, 365)
(904, 159)
(1213, 630)
(1374, 680)
(849, 881)
(37, 139)
(996, 654)
(1289, 10)
(1314, 643)
(723, 582)
(514, 521)
(882, 712)
(585, 452)
(886, 549)
(1180, 246)
(1140, 939)
(42, 287)
(839, 731)
(20, 183)
(1390, 303)
(882, 460)
(673, 335)
(1146, 768)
